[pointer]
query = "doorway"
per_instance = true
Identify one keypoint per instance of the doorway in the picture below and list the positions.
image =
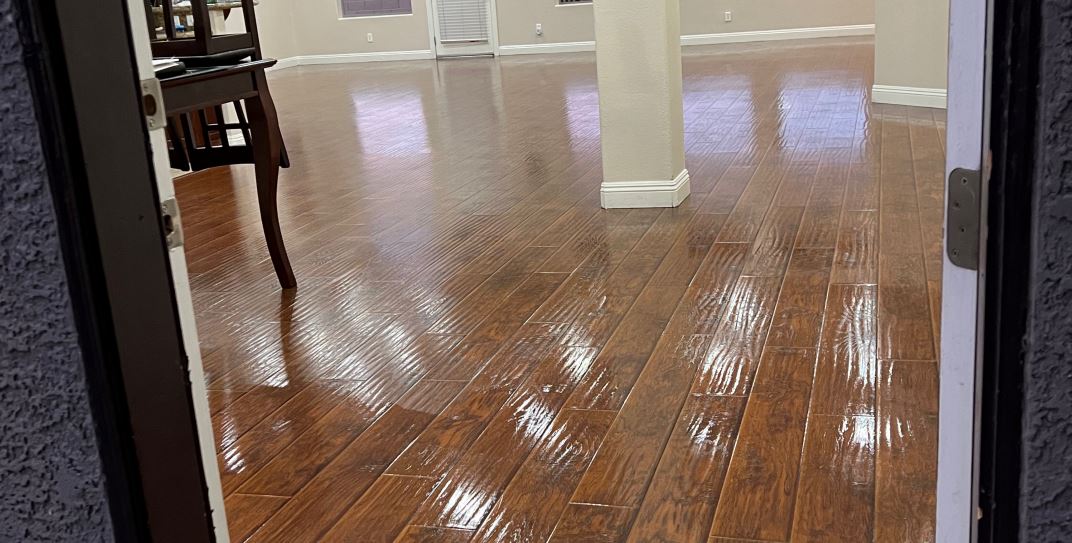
(463, 27)
(297, 342)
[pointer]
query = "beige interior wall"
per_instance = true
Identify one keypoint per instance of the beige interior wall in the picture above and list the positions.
(707, 16)
(561, 24)
(518, 18)
(273, 24)
(321, 31)
(313, 27)
(911, 43)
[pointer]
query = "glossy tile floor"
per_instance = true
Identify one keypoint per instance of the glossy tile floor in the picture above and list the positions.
(477, 352)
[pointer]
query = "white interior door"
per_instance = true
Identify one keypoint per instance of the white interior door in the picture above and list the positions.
(177, 256)
(463, 27)
(962, 296)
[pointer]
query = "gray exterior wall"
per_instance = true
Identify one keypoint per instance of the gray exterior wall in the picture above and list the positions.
(1046, 481)
(51, 485)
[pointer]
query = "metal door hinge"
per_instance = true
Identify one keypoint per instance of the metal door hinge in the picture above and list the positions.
(169, 213)
(152, 104)
(962, 218)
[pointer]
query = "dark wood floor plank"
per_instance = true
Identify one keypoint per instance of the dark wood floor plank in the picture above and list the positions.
(934, 291)
(798, 317)
(319, 504)
(746, 219)
(680, 502)
(861, 190)
(623, 358)
(301, 460)
(539, 492)
(836, 494)
(428, 534)
(620, 472)
(899, 230)
(247, 411)
(274, 432)
(587, 523)
(380, 515)
(247, 512)
(725, 194)
(847, 370)
(582, 241)
(454, 430)
(761, 484)
(465, 317)
(856, 259)
(730, 365)
(472, 487)
(707, 300)
(907, 456)
(691, 248)
(904, 316)
(774, 242)
(819, 226)
(229, 349)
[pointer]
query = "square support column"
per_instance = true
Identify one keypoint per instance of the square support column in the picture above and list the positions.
(638, 56)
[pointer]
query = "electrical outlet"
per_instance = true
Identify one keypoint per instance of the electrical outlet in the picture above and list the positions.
(370, 38)
(539, 29)
(728, 16)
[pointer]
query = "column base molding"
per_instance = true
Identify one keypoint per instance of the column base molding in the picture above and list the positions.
(638, 194)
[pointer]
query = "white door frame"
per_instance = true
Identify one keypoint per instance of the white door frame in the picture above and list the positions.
(184, 299)
(441, 50)
(970, 23)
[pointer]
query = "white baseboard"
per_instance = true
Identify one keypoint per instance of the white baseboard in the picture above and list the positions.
(540, 48)
(347, 58)
(781, 34)
(634, 194)
(285, 63)
(704, 39)
(908, 96)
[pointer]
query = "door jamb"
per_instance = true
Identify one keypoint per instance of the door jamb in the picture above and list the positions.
(963, 296)
(100, 169)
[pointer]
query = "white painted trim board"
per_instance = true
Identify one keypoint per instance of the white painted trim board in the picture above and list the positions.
(779, 34)
(547, 48)
(637, 194)
(348, 58)
(908, 96)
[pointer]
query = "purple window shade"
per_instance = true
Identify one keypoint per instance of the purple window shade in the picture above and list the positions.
(365, 8)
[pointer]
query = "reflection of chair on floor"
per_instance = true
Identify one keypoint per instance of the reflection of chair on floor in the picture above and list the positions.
(199, 132)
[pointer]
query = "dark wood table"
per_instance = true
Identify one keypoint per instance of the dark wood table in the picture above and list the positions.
(201, 89)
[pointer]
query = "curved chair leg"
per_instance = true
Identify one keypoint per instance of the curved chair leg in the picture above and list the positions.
(267, 151)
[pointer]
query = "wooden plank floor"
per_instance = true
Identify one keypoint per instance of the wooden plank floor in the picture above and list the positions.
(478, 352)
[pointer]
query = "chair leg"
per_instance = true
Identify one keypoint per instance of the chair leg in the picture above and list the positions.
(267, 151)
(284, 157)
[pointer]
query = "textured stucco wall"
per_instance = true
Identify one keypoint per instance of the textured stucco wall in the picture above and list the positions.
(1046, 489)
(51, 486)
